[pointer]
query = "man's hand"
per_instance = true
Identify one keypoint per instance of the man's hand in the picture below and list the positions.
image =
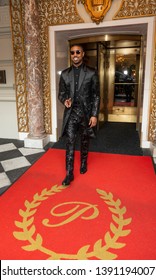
(92, 121)
(68, 103)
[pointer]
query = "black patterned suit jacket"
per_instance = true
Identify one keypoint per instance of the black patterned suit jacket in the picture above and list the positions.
(88, 90)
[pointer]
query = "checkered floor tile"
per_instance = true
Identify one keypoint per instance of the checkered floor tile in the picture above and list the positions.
(15, 160)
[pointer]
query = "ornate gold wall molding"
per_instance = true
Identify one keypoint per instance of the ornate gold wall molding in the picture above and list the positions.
(136, 8)
(51, 12)
(152, 127)
(19, 64)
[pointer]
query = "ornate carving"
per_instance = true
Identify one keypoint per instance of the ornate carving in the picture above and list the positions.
(19, 65)
(152, 127)
(96, 8)
(136, 8)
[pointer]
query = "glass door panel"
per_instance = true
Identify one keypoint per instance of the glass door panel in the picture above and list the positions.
(126, 77)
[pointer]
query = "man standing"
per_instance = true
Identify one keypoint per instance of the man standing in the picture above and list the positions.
(79, 93)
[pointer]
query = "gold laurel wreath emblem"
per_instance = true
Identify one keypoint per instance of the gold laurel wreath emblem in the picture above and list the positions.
(100, 251)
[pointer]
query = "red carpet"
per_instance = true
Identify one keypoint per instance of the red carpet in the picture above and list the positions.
(107, 213)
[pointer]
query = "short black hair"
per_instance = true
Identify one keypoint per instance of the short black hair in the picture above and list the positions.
(79, 45)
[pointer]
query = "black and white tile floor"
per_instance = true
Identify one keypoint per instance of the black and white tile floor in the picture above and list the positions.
(15, 160)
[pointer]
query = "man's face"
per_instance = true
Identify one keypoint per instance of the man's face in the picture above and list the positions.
(77, 55)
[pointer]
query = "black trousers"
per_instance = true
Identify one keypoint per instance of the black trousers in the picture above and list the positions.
(76, 123)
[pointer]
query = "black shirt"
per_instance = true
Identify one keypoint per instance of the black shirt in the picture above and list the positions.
(76, 104)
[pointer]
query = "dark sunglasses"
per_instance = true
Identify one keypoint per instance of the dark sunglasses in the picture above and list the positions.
(77, 52)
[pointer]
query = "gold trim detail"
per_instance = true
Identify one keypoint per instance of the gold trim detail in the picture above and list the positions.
(19, 64)
(136, 8)
(96, 8)
(152, 126)
(100, 251)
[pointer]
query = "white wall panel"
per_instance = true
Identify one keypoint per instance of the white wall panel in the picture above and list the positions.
(6, 52)
(8, 110)
(8, 120)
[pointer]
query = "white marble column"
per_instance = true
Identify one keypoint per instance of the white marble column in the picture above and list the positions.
(37, 137)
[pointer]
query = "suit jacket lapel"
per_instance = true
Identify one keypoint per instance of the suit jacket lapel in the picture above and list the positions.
(71, 81)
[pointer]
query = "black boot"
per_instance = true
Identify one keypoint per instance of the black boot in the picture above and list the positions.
(69, 167)
(83, 168)
(69, 178)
